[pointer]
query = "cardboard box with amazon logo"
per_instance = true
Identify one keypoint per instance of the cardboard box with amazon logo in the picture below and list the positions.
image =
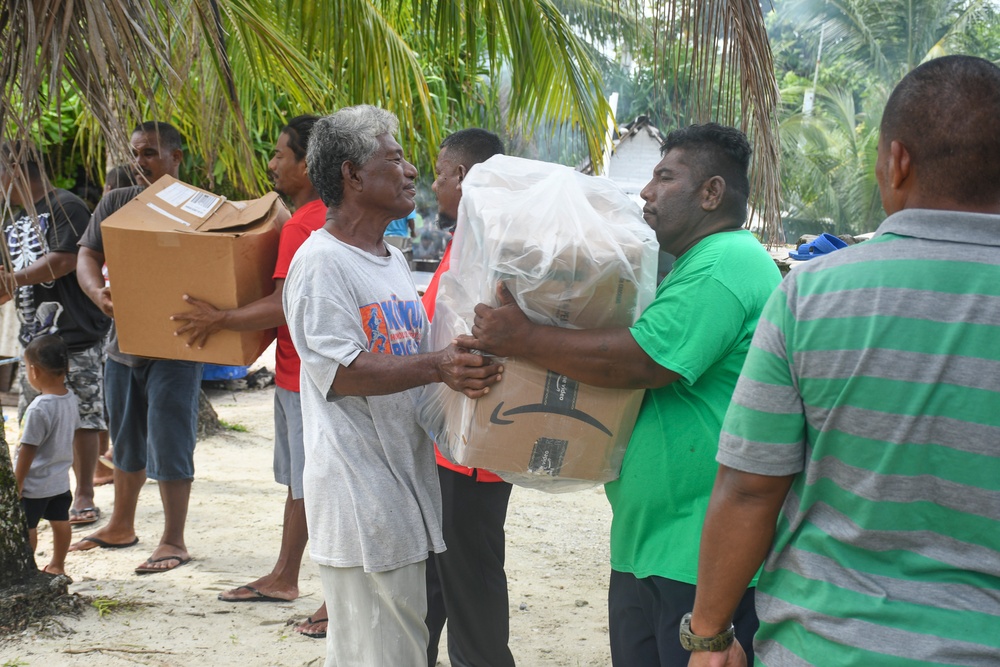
(175, 239)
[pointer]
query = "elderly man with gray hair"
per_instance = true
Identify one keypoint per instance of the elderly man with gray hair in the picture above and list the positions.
(373, 504)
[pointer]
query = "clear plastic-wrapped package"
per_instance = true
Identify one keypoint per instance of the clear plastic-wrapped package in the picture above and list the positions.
(574, 252)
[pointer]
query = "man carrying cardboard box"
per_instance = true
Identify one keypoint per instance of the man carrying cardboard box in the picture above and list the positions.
(152, 403)
(371, 490)
(466, 584)
(288, 172)
(42, 248)
(686, 349)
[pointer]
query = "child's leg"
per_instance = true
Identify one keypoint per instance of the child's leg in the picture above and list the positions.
(61, 534)
(33, 538)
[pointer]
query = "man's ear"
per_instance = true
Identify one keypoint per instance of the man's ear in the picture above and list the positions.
(898, 169)
(352, 178)
(462, 171)
(712, 193)
(177, 155)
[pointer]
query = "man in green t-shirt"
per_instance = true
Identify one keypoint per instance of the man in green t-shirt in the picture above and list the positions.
(687, 349)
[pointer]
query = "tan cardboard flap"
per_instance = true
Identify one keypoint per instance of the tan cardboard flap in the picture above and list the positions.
(240, 214)
(180, 203)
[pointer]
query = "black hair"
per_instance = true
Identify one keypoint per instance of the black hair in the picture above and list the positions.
(167, 135)
(719, 150)
(49, 353)
(121, 176)
(298, 131)
(946, 113)
(472, 146)
(24, 154)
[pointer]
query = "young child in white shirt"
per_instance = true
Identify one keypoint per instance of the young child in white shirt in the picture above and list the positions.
(45, 453)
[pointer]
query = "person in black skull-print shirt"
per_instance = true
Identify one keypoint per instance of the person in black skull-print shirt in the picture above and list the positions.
(41, 235)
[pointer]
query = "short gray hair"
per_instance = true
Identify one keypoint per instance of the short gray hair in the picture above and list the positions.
(347, 135)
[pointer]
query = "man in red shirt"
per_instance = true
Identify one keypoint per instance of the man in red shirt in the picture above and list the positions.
(466, 585)
(288, 171)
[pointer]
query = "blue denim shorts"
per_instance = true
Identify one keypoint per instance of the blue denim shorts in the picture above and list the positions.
(153, 415)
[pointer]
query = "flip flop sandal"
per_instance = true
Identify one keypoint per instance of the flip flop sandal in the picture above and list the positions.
(256, 597)
(146, 569)
(109, 545)
(312, 621)
(823, 244)
(76, 516)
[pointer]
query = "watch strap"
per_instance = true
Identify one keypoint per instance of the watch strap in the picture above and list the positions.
(715, 643)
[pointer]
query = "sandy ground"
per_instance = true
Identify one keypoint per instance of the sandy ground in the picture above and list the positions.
(557, 566)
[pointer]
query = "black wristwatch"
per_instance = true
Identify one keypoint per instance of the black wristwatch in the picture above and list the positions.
(715, 643)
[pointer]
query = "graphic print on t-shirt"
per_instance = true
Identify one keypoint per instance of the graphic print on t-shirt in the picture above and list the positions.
(27, 242)
(393, 326)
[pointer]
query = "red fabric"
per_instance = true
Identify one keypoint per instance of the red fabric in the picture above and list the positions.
(294, 233)
(429, 297)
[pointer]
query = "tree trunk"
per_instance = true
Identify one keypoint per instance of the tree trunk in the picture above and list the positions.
(17, 563)
(208, 420)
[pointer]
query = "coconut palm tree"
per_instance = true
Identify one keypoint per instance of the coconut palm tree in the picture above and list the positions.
(828, 155)
(237, 68)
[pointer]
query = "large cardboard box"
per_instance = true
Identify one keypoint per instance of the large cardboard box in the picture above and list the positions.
(574, 252)
(175, 239)
(541, 424)
(537, 424)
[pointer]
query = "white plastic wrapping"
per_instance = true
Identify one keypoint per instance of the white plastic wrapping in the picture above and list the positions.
(575, 252)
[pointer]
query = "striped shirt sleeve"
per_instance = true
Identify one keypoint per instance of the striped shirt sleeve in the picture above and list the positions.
(764, 428)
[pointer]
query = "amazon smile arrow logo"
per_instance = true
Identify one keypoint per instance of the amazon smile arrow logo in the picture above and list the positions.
(500, 418)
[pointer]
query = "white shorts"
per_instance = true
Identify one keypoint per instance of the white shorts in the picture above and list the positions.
(376, 618)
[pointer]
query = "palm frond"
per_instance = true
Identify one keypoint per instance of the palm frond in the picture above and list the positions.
(721, 69)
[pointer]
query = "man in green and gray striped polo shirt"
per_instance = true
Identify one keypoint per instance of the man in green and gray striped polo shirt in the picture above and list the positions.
(861, 453)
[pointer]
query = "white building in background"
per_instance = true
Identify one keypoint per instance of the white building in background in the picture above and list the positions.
(634, 153)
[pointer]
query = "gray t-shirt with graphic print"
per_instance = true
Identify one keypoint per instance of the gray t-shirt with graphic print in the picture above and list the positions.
(370, 483)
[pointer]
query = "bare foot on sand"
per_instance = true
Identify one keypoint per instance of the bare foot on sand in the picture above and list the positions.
(315, 625)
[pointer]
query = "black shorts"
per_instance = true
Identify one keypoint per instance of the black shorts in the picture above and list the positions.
(53, 508)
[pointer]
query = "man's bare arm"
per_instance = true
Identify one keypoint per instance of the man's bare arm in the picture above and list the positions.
(739, 530)
(50, 266)
(204, 319)
(90, 275)
(599, 357)
(380, 374)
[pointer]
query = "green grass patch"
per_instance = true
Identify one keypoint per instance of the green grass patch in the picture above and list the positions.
(106, 606)
(233, 426)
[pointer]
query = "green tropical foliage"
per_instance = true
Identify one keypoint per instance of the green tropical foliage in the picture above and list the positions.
(828, 155)
(685, 61)
(228, 73)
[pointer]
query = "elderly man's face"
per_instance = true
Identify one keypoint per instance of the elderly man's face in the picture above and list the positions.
(389, 181)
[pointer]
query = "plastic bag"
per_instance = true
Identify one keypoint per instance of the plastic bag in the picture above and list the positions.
(574, 251)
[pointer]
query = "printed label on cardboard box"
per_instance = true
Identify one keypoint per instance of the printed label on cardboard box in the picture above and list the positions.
(547, 456)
